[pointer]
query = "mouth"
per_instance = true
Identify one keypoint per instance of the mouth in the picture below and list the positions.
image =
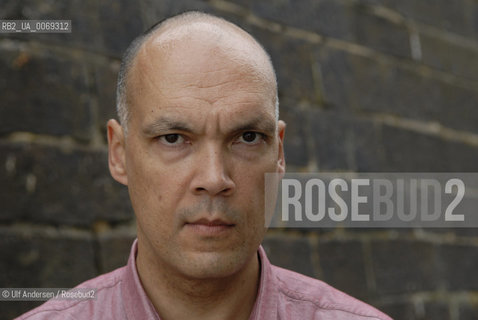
(209, 228)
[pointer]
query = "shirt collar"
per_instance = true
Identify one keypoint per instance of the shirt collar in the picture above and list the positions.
(135, 301)
(265, 306)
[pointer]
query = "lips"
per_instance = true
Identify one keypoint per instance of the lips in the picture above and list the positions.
(211, 223)
(209, 228)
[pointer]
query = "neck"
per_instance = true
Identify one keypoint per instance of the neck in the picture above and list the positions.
(176, 296)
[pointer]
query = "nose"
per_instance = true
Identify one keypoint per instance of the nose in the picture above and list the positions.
(212, 176)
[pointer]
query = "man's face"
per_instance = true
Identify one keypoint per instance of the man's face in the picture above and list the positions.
(201, 135)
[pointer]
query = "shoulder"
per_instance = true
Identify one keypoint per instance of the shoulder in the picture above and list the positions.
(299, 293)
(106, 288)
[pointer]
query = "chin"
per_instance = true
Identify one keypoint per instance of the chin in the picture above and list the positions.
(208, 265)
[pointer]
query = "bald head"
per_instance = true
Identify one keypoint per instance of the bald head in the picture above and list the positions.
(193, 33)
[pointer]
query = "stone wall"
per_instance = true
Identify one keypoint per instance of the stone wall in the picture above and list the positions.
(365, 85)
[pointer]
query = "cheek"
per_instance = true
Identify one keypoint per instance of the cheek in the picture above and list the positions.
(250, 193)
(153, 194)
(251, 186)
(251, 175)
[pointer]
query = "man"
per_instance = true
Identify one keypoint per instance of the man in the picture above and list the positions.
(199, 128)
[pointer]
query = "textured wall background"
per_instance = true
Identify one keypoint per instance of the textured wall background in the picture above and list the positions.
(365, 85)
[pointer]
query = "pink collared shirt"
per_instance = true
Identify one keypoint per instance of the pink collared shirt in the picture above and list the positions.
(283, 294)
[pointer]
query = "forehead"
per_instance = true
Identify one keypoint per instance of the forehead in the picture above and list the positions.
(218, 36)
(201, 49)
(192, 67)
(193, 64)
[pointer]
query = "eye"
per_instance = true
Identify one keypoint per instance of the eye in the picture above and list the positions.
(251, 137)
(171, 139)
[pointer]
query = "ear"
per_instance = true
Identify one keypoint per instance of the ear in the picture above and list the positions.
(116, 152)
(281, 158)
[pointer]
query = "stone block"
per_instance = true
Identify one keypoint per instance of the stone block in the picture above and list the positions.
(462, 157)
(412, 151)
(114, 249)
(60, 187)
(364, 84)
(290, 253)
(442, 14)
(368, 146)
(468, 311)
(345, 141)
(332, 139)
(402, 267)
(13, 309)
(459, 263)
(447, 56)
(437, 310)
(296, 137)
(326, 17)
(42, 261)
(409, 151)
(105, 76)
(13, 178)
(338, 78)
(44, 93)
(338, 19)
(381, 34)
(343, 266)
(466, 232)
(120, 22)
(293, 61)
(399, 310)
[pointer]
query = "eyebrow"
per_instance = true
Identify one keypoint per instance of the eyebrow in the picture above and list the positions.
(165, 124)
(263, 124)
